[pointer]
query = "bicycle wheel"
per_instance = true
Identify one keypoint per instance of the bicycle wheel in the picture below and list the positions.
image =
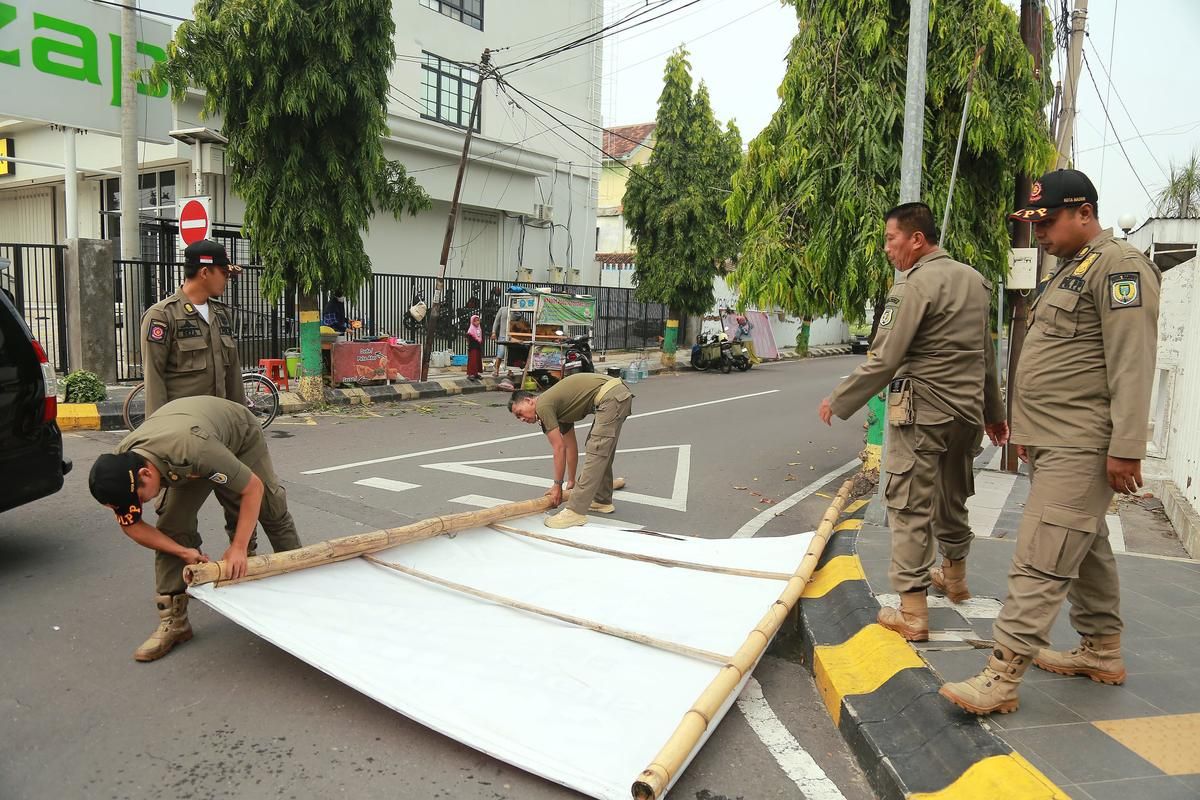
(134, 409)
(262, 396)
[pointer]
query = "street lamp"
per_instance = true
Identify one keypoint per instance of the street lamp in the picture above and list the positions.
(198, 138)
(1127, 221)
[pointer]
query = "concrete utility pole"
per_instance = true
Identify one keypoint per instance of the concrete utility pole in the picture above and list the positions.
(130, 246)
(1066, 126)
(439, 285)
(910, 174)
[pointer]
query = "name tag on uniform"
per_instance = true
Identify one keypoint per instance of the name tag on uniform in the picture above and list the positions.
(188, 331)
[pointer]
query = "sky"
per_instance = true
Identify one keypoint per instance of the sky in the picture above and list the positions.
(737, 47)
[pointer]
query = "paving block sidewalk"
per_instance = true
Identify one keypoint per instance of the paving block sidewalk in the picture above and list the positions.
(1139, 740)
(443, 382)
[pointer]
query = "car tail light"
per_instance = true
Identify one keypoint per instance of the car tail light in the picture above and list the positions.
(50, 406)
(572, 356)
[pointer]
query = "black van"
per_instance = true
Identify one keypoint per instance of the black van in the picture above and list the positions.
(31, 449)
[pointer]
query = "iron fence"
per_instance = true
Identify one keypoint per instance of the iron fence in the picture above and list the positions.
(35, 281)
(265, 328)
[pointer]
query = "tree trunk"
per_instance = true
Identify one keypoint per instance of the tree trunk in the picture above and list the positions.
(802, 337)
(879, 306)
(312, 386)
(670, 343)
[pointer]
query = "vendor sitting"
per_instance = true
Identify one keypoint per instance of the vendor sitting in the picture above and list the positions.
(334, 314)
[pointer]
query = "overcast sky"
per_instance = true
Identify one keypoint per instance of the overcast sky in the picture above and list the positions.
(737, 47)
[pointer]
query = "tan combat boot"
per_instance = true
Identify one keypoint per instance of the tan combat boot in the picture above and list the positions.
(994, 689)
(602, 508)
(950, 579)
(911, 620)
(565, 519)
(173, 628)
(1098, 657)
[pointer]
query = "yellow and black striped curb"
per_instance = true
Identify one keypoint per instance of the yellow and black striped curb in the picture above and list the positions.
(883, 697)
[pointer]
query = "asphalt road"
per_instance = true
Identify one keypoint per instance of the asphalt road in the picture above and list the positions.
(229, 715)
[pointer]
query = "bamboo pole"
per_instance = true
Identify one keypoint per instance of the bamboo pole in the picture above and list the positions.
(656, 777)
(346, 547)
(581, 622)
(662, 562)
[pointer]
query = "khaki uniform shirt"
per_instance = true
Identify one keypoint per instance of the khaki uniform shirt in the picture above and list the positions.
(569, 400)
(936, 331)
(184, 356)
(198, 438)
(1084, 376)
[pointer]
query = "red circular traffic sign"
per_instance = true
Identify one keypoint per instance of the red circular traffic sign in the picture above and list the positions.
(193, 222)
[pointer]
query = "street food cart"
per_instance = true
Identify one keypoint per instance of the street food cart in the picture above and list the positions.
(539, 325)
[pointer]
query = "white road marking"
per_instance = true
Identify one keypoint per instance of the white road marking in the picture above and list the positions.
(483, 501)
(991, 493)
(479, 501)
(796, 763)
(994, 463)
(1152, 556)
(1116, 532)
(389, 485)
(679, 492)
(972, 608)
(402, 456)
(755, 525)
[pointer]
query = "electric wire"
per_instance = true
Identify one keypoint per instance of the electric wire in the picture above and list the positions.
(1107, 117)
(1125, 108)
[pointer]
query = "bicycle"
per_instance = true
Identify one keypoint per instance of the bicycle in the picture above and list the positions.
(262, 398)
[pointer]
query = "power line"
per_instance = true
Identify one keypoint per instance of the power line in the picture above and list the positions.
(1168, 131)
(1099, 97)
(162, 14)
(578, 25)
(1125, 108)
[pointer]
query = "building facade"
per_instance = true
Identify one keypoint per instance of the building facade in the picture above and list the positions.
(531, 188)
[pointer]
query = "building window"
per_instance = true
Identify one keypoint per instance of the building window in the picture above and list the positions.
(468, 12)
(448, 90)
(156, 194)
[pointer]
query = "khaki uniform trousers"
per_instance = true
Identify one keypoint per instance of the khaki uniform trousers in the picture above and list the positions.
(930, 477)
(1062, 552)
(179, 509)
(595, 484)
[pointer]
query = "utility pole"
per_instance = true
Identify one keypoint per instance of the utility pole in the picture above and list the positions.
(439, 285)
(1031, 35)
(130, 246)
(910, 175)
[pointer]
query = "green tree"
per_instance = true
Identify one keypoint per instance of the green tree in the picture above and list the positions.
(674, 204)
(818, 179)
(1180, 198)
(301, 88)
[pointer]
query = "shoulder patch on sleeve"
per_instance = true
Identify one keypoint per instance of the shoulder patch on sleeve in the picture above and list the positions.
(219, 478)
(157, 331)
(888, 317)
(1124, 290)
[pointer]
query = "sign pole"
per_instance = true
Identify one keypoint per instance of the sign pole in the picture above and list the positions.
(130, 246)
(70, 183)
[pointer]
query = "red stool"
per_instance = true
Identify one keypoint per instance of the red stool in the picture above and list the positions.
(276, 370)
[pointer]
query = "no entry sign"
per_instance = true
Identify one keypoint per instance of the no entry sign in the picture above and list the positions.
(194, 220)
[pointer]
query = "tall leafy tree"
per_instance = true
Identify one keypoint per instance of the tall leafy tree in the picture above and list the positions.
(818, 179)
(301, 89)
(1180, 197)
(674, 204)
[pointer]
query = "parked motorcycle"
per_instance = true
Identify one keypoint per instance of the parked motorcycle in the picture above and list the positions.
(740, 356)
(712, 352)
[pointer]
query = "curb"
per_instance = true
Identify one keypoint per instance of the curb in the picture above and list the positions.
(882, 696)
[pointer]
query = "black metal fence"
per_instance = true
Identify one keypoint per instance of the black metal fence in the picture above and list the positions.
(265, 328)
(34, 279)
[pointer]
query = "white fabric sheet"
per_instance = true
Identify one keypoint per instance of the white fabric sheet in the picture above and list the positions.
(577, 707)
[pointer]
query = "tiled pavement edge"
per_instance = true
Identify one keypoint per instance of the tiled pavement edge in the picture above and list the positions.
(1095, 742)
(109, 415)
(883, 697)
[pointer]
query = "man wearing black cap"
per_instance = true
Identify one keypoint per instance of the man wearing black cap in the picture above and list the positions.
(186, 450)
(1080, 414)
(188, 347)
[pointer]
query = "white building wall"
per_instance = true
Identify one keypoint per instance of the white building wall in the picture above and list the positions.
(823, 331)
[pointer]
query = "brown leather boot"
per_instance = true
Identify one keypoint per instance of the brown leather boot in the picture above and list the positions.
(1097, 657)
(911, 620)
(173, 628)
(950, 579)
(994, 689)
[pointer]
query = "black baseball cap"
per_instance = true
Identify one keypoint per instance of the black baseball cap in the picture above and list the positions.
(113, 482)
(1054, 190)
(207, 253)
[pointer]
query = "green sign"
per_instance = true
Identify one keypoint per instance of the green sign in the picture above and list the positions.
(560, 310)
(60, 62)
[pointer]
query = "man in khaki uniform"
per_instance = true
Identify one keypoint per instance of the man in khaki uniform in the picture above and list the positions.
(934, 346)
(557, 410)
(1080, 416)
(188, 347)
(186, 450)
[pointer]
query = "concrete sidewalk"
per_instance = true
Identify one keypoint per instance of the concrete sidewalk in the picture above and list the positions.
(1094, 741)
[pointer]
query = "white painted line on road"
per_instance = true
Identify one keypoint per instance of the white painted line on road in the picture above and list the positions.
(483, 501)
(1116, 532)
(793, 759)
(679, 492)
(402, 456)
(389, 485)
(479, 501)
(755, 525)
(994, 463)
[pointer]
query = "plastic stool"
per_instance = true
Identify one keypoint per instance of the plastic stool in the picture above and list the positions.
(276, 370)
